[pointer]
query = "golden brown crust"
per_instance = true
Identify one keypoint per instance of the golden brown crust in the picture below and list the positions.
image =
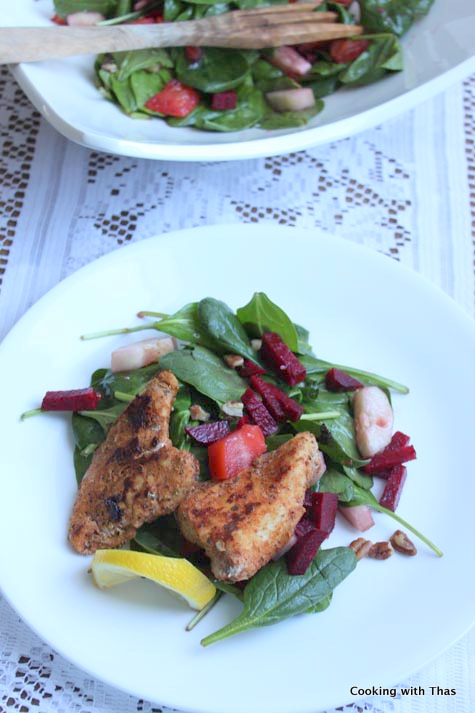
(241, 523)
(136, 475)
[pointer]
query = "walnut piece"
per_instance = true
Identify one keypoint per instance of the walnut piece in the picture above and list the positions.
(380, 551)
(233, 360)
(360, 547)
(401, 542)
(197, 413)
(256, 344)
(233, 408)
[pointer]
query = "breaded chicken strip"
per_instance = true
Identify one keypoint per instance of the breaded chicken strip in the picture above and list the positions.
(241, 523)
(136, 475)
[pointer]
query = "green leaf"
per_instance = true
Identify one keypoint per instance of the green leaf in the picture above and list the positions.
(383, 54)
(289, 119)
(273, 595)
(223, 329)
(161, 537)
(130, 62)
(319, 367)
(122, 91)
(207, 372)
(105, 417)
(145, 85)
(262, 315)
(332, 481)
(395, 16)
(249, 110)
(216, 71)
(63, 8)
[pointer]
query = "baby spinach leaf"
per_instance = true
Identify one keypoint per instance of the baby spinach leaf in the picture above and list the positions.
(319, 367)
(395, 16)
(161, 537)
(332, 481)
(105, 417)
(273, 595)
(123, 93)
(63, 8)
(88, 434)
(358, 477)
(223, 329)
(202, 369)
(130, 62)
(171, 9)
(217, 70)
(321, 606)
(183, 325)
(336, 437)
(127, 382)
(383, 54)
(288, 119)
(145, 85)
(262, 315)
(344, 15)
(323, 87)
(180, 418)
(248, 112)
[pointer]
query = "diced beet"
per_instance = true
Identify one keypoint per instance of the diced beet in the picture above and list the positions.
(399, 440)
(293, 410)
(393, 488)
(222, 101)
(188, 548)
(304, 525)
(208, 432)
(259, 413)
(278, 355)
(243, 421)
(249, 368)
(389, 458)
(72, 400)
(269, 398)
(337, 380)
(324, 509)
(358, 515)
(193, 54)
(302, 553)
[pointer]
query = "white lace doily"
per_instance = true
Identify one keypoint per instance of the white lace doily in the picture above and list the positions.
(406, 188)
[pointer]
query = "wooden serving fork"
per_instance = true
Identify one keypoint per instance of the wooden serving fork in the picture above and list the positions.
(272, 26)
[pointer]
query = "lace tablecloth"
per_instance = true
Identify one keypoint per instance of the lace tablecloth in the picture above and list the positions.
(406, 189)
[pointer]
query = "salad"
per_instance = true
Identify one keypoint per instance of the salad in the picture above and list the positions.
(217, 89)
(248, 390)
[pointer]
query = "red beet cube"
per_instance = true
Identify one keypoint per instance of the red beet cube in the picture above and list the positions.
(337, 380)
(393, 488)
(292, 409)
(302, 553)
(209, 432)
(71, 400)
(222, 101)
(249, 368)
(243, 421)
(259, 412)
(304, 525)
(276, 353)
(324, 508)
(399, 440)
(193, 54)
(389, 458)
(268, 396)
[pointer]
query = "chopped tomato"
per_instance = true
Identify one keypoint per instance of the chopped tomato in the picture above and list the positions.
(344, 51)
(175, 99)
(59, 20)
(235, 451)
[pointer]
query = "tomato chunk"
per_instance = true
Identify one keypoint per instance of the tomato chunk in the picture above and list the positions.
(344, 51)
(175, 99)
(235, 451)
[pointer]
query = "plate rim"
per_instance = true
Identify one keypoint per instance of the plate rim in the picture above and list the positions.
(318, 234)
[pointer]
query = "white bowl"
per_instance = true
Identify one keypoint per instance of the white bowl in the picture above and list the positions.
(438, 51)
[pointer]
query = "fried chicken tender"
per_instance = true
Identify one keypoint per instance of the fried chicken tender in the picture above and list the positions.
(136, 475)
(241, 523)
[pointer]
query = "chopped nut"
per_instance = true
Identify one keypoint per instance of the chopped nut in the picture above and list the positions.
(401, 542)
(233, 408)
(233, 360)
(109, 66)
(256, 344)
(380, 551)
(360, 547)
(198, 413)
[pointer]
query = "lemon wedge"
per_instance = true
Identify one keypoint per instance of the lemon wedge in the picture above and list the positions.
(111, 567)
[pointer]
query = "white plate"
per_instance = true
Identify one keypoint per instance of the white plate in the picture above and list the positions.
(438, 51)
(388, 618)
